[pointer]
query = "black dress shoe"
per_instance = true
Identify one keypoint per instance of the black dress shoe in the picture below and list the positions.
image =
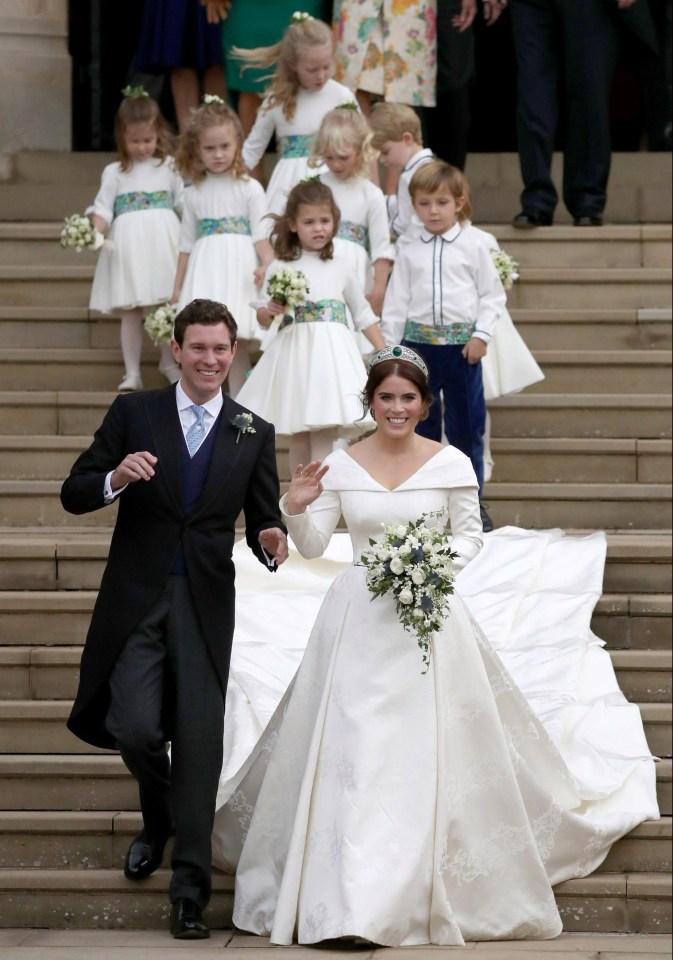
(486, 521)
(144, 857)
(187, 922)
(526, 220)
(589, 220)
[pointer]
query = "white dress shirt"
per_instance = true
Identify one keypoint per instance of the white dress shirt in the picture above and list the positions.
(442, 282)
(187, 418)
(403, 221)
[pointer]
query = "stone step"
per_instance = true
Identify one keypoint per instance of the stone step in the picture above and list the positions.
(598, 505)
(582, 415)
(635, 245)
(634, 623)
(537, 505)
(634, 329)
(85, 840)
(104, 899)
(638, 245)
(50, 671)
(544, 460)
(73, 559)
(38, 726)
(647, 417)
(63, 369)
(566, 371)
(551, 460)
(589, 288)
(578, 371)
(544, 287)
(618, 329)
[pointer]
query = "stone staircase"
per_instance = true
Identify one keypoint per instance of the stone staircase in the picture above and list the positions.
(588, 448)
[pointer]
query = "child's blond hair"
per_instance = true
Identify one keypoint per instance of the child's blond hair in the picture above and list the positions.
(187, 156)
(342, 130)
(141, 108)
(390, 121)
(284, 85)
(432, 176)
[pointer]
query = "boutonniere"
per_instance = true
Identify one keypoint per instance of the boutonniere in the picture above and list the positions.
(243, 423)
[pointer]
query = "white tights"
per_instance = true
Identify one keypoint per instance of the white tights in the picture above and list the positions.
(132, 346)
(308, 446)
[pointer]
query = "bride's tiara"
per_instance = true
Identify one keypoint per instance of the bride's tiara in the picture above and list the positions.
(399, 353)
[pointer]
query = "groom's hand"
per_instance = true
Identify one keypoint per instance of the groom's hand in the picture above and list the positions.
(274, 542)
(134, 466)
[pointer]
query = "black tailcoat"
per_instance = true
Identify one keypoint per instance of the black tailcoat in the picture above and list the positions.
(151, 525)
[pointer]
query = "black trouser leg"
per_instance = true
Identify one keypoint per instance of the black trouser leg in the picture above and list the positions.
(448, 123)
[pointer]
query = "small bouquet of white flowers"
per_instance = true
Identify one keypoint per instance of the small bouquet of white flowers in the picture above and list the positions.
(287, 286)
(78, 233)
(414, 564)
(159, 324)
(507, 268)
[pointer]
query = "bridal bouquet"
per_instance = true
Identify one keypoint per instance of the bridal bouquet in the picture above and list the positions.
(414, 564)
(159, 324)
(79, 233)
(507, 268)
(287, 286)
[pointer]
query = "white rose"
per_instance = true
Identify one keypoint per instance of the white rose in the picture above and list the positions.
(397, 566)
(383, 554)
(418, 577)
(418, 613)
(400, 531)
(406, 596)
(405, 550)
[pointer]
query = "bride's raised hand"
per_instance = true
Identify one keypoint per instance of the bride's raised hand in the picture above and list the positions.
(305, 486)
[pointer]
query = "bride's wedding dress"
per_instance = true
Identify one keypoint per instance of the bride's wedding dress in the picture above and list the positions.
(410, 809)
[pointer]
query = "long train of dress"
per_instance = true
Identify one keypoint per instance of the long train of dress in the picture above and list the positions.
(426, 807)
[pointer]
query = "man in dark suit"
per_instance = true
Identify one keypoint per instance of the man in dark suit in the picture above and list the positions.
(183, 462)
(578, 41)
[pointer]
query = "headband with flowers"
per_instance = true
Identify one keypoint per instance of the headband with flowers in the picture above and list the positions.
(139, 91)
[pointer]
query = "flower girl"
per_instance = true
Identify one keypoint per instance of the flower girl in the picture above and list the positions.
(138, 202)
(343, 145)
(308, 380)
(301, 93)
(222, 232)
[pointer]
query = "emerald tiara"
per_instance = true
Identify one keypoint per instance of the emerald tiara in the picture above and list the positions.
(399, 353)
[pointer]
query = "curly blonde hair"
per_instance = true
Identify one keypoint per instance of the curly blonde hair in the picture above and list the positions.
(285, 55)
(342, 130)
(141, 109)
(310, 193)
(187, 156)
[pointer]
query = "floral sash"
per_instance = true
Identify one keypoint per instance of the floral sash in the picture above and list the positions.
(140, 200)
(319, 311)
(296, 147)
(454, 333)
(355, 233)
(236, 225)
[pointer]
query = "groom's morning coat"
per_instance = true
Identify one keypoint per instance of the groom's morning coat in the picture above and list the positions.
(151, 525)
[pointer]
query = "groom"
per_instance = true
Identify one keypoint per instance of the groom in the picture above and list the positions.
(183, 462)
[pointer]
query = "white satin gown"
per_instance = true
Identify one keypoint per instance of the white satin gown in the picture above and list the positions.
(410, 809)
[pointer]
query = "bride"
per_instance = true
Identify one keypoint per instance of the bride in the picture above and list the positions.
(387, 804)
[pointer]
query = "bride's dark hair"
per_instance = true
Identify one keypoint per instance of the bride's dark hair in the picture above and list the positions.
(396, 368)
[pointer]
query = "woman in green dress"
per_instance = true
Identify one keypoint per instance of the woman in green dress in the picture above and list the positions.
(248, 24)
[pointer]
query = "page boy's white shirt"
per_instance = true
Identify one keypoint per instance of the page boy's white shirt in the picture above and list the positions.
(439, 280)
(403, 221)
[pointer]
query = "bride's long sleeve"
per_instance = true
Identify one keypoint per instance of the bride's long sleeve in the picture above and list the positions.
(467, 533)
(313, 529)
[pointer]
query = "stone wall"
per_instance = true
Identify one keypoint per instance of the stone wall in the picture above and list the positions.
(35, 77)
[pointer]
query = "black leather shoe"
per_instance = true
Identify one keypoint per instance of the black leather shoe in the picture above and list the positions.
(144, 857)
(486, 521)
(187, 922)
(589, 220)
(528, 220)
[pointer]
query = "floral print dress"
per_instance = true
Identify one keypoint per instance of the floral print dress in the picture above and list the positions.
(388, 47)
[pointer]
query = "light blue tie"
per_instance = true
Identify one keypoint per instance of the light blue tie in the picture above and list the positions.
(197, 432)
